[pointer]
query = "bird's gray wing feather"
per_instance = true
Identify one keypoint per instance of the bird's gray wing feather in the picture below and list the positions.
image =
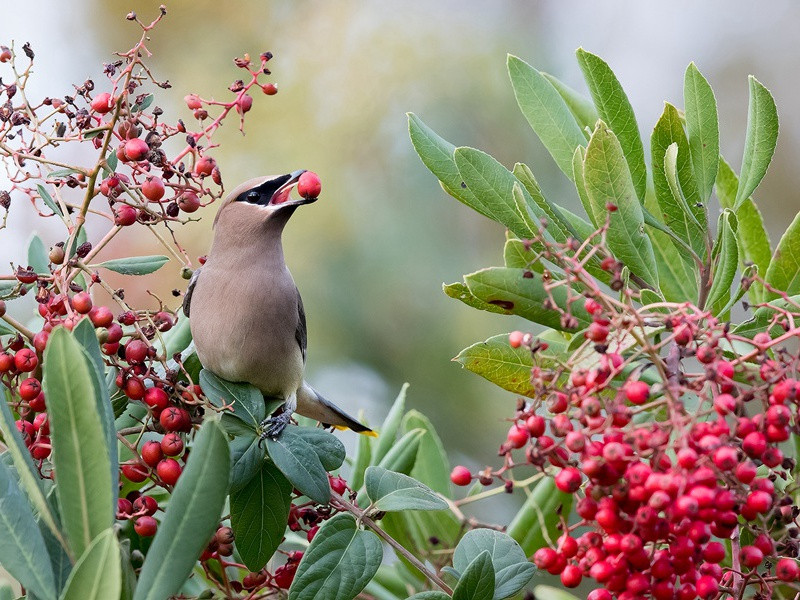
(187, 297)
(301, 333)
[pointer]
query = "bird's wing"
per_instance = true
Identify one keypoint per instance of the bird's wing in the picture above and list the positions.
(301, 333)
(187, 297)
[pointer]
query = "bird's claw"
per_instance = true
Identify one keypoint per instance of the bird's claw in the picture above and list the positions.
(272, 427)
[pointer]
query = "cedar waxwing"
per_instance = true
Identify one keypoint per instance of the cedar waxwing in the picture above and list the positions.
(247, 317)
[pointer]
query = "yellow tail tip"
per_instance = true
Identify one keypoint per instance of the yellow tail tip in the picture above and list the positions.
(370, 433)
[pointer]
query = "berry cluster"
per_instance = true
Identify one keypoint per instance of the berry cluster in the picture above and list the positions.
(671, 444)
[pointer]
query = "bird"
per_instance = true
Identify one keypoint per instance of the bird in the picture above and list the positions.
(245, 312)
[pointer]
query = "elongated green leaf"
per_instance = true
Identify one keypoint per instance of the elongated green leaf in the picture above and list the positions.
(686, 217)
(390, 491)
(438, 155)
(763, 318)
(545, 592)
(299, 462)
(580, 185)
(608, 180)
(134, 265)
(557, 225)
(493, 184)
(497, 361)
(38, 256)
(390, 427)
(726, 264)
(540, 514)
(59, 559)
(80, 455)
(459, 291)
(259, 512)
(22, 548)
(192, 516)
(702, 124)
(98, 573)
(511, 567)
(26, 473)
(48, 199)
(579, 105)
(362, 459)
(402, 456)
(759, 142)
(517, 255)
(783, 272)
(245, 401)
(7, 592)
(754, 246)
(339, 562)
(247, 455)
(430, 595)
(477, 581)
(431, 466)
(615, 109)
(523, 293)
(547, 113)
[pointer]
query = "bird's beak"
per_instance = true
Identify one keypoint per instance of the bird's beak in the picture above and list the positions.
(282, 194)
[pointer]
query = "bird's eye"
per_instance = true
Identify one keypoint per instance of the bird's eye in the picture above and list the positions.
(252, 195)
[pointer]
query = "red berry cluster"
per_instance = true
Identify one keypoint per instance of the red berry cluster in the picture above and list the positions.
(139, 508)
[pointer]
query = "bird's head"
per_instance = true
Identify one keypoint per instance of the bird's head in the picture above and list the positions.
(264, 199)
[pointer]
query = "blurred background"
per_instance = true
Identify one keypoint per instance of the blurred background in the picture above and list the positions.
(370, 257)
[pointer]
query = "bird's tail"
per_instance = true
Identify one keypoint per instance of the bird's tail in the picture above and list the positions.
(312, 404)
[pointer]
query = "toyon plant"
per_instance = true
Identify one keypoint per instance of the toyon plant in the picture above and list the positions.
(660, 418)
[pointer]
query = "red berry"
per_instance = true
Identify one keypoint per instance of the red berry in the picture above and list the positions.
(156, 398)
(168, 471)
(338, 485)
(40, 340)
(145, 526)
(568, 480)
(637, 391)
(38, 404)
(6, 362)
(188, 202)
(124, 508)
(309, 185)
(597, 332)
(706, 587)
(151, 453)
(102, 103)
(592, 306)
(41, 424)
(25, 360)
(145, 504)
(759, 501)
(134, 472)
(787, 570)
(517, 436)
(172, 444)
(135, 149)
(746, 471)
(751, 556)
(461, 476)
(171, 419)
(536, 425)
(114, 333)
(571, 576)
(515, 339)
(724, 404)
(124, 215)
(244, 104)
(101, 316)
(270, 89)
(134, 388)
(312, 533)
(754, 444)
(193, 101)
(205, 165)
(135, 351)
(82, 302)
(30, 388)
(153, 189)
(284, 575)
(41, 448)
(544, 558)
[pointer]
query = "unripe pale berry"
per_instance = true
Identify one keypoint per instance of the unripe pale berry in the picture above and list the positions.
(309, 185)
(515, 339)
(193, 101)
(461, 476)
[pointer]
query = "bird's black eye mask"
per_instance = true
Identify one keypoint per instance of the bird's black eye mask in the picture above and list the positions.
(262, 194)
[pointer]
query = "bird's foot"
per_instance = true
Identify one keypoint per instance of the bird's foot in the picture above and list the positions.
(272, 427)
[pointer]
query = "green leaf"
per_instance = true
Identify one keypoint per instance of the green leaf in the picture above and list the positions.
(7, 592)
(259, 512)
(80, 454)
(430, 595)
(477, 582)
(390, 491)
(702, 124)
(431, 466)
(339, 563)
(329, 448)
(22, 549)
(763, 317)
(247, 455)
(522, 292)
(134, 265)
(783, 272)
(516, 255)
(540, 514)
(59, 173)
(545, 592)
(178, 338)
(579, 105)
(557, 225)
(685, 217)
(362, 459)
(112, 161)
(727, 261)
(191, 518)
(38, 256)
(547, 112)
(98, 573)
(609, 180)
(493, 185)
(301, 465)
(48, 199)
(580, 185)
(59, 559)
(615, 109)
(390, 427)
(438, 155)
(511, 567)
(246, 402)
(759, 142)
(403, 454)
(146, 102)
(497, 361)
(460, 291)
(754, 246)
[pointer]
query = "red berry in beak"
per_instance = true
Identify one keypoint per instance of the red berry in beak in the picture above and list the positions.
(309, 185)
